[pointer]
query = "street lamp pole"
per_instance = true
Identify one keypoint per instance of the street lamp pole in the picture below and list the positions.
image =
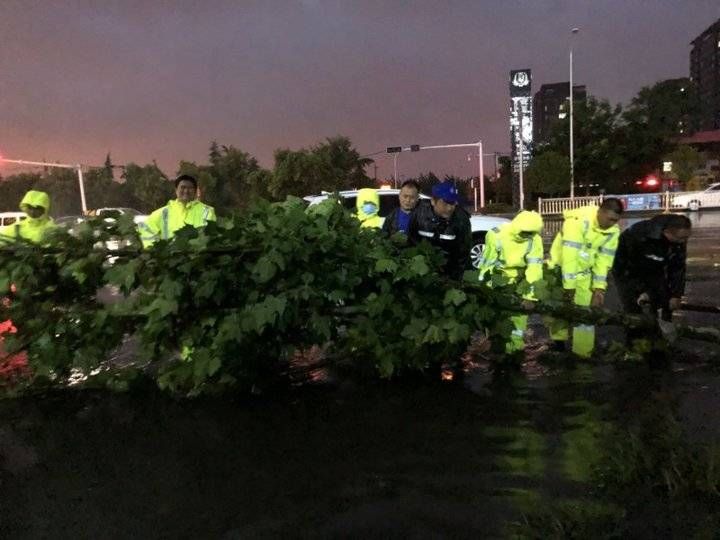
(77, 168)
(522, 159)
(395, 178)
(571, 98)
(481, 179)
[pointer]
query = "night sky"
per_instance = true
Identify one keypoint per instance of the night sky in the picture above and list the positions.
(160, 80)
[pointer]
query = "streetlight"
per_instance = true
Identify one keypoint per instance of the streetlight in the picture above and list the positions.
(522, 157)
(571, 96)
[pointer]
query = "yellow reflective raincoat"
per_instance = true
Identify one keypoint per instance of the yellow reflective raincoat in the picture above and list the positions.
(515, 250)
(584, 253)
(32, 229)
(368, 196)
(164, 222)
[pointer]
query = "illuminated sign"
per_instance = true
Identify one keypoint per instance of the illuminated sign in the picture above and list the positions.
(521, 117)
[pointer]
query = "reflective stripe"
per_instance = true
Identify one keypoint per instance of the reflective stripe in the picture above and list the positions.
(426, 234)
(655, 258)
(165, 225)
(528, 249)
(518, 332)
(534, 260)
(584, 327)
(447, 237)
(608, 251)
(577, 275)
(147, 233)
(600, 278)
(570, 243)
(205, 215)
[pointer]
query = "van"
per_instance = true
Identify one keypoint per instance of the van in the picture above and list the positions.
(10, 218)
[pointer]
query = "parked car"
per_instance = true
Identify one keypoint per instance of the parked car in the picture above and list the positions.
(695, 200)
(389, 201)
(8, 218)
(138, 217)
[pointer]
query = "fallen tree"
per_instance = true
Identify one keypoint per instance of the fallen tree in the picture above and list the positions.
(224, 307)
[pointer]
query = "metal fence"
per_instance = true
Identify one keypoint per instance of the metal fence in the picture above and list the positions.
(661, 202)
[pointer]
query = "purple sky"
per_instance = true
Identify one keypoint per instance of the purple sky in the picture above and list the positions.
(159, 80)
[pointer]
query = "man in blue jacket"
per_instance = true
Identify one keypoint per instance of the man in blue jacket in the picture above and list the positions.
(399, 219)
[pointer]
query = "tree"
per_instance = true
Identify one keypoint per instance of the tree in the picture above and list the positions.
(685, 161)
(500, 191)
(600, 156)
(427, 181)
(548, 174)
(665, 110)
(227, 182)
(329, 166)
(108, 167)
(148, 185)
(14, 187)
(653, 121)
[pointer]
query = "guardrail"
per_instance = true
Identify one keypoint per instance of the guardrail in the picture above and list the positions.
(558, 206)
(661, 202)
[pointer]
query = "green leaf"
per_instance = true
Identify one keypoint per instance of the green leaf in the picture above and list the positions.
(264, 270)
(419, 266)
(386, 265)
(454, 297)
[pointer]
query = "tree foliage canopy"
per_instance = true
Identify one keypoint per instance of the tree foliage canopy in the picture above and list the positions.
(614, 146)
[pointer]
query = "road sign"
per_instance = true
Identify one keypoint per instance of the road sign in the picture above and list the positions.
(394, 149)
(414, 147)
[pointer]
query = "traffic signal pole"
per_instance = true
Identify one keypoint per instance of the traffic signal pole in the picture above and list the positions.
(77, 168)
(481, 169)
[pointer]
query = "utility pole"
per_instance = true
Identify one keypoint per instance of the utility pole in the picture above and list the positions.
(522, 164)
(571, 98)
(77, 168)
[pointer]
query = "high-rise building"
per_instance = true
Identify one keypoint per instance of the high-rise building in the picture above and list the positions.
(551, 105)
(705, 73)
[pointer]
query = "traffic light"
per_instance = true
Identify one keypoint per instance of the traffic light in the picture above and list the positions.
(394, 149)
(414, 147)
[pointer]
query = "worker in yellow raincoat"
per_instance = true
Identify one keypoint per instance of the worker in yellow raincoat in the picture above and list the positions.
(368, 206)
(36, 204)
(584, 251)
(186, 209)
(515, 250)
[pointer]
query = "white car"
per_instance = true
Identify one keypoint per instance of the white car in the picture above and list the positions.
(9, 218)
(695, 200)
(389, 201)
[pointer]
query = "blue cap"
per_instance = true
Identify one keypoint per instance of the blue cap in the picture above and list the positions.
(446, 191)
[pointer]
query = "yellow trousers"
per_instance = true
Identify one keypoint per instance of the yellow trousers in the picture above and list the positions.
(517, 337)
(583, 337)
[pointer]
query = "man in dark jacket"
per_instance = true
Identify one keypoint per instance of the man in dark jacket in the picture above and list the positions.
(649, 266)
(446, 226)
(399, 219)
